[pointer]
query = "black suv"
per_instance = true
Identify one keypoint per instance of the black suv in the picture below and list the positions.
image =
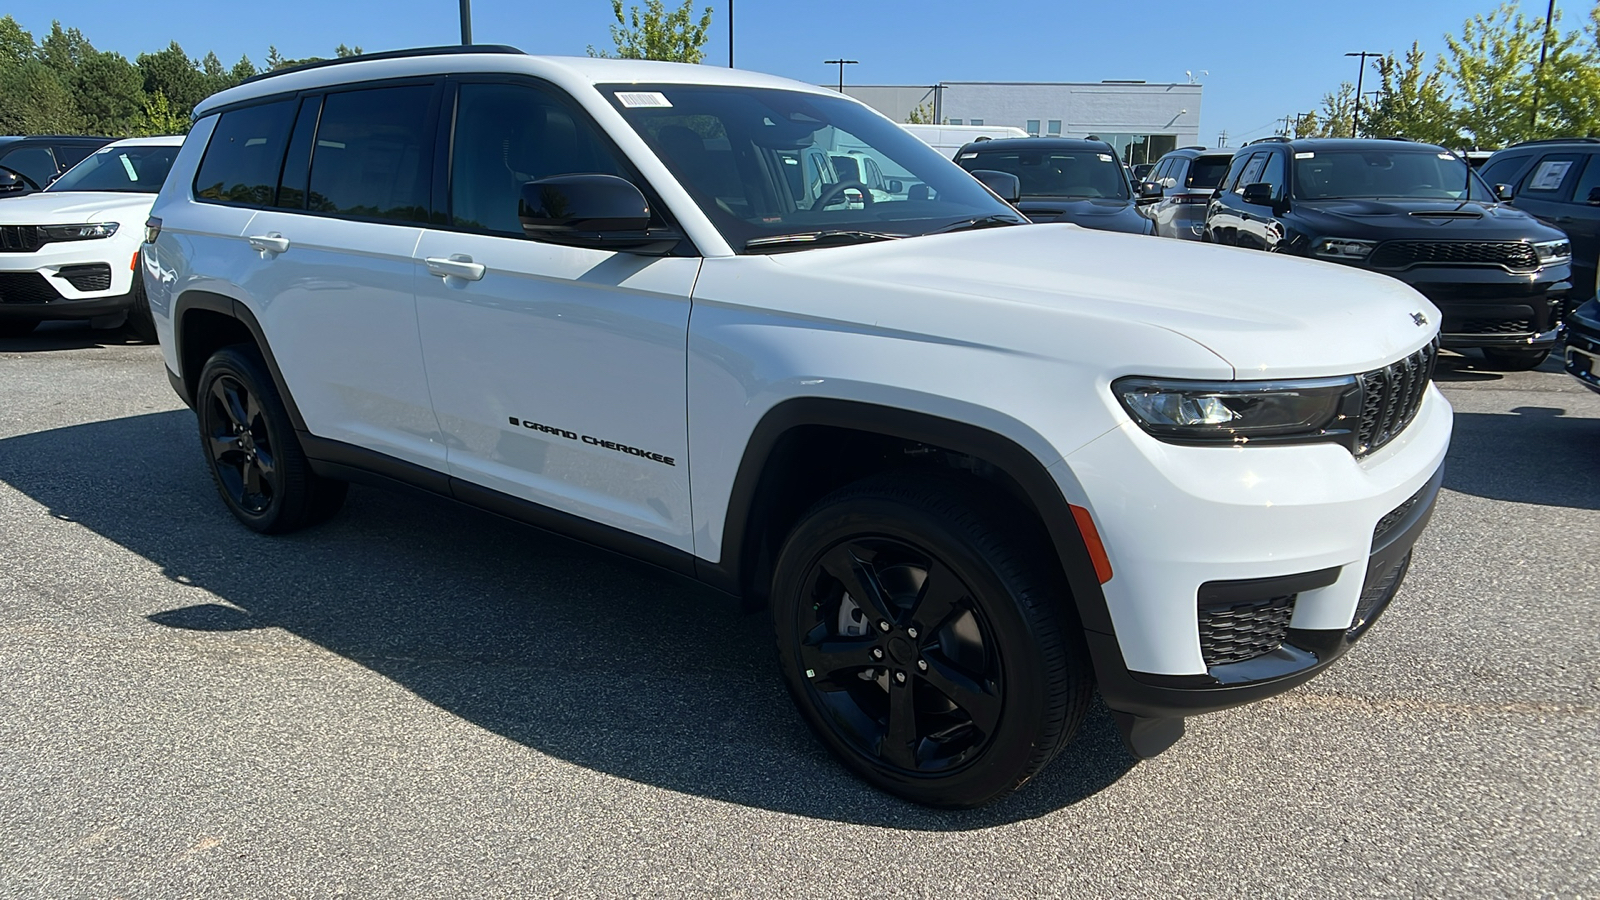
(1557, 181)
(27, 164)
(1064, 180)
(1413, 211)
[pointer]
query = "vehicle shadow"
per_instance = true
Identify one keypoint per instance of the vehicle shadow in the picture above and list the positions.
(1537, 454)
(571, 651)
(54, 336)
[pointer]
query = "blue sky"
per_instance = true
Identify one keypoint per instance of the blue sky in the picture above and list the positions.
(1266, 58)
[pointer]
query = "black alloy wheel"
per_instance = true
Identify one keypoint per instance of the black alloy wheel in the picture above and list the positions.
(254, 456)
(924, 641)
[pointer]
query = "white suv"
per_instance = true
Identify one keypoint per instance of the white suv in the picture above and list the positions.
(973, 469)
(70, 251)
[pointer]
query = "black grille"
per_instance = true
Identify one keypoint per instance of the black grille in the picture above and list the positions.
(26, 287)
(1376, 594)
(93, 277)
(1241, 631)
(1516, 255)
(1390, 397)
(19, 238)
(1393, 516)
(1492, 326)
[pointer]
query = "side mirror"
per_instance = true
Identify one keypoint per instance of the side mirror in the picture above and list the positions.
(1594, 197)
(1150, 192)
(1502, 192)
(895, 186)
(1007, 185)
(602, 212)
(1258, 194)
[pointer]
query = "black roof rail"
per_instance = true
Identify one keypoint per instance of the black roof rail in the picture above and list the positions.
(389, 54)
(1275, 139)
(1571, 140)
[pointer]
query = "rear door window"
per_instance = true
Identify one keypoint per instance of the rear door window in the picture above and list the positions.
(374, 153)
(1273, 173)
(1235, 168)
(1551, 175)
(1587, 190)
(246, 150)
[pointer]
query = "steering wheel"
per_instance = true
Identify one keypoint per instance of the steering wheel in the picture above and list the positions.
(33, 185)
(835, 192)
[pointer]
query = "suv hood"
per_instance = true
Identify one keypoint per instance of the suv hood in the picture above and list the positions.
(1104, 214)
(76, 207)
(1421, 219)
(1265, 315)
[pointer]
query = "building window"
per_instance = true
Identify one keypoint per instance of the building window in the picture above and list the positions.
(977, 121)
(1055, 127)
(1033, 127)
(955, 121)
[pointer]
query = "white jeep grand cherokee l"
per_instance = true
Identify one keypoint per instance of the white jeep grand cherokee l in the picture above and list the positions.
(70, 251)
(973, 469)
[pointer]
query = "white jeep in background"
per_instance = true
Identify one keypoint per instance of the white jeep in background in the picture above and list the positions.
(974, 468)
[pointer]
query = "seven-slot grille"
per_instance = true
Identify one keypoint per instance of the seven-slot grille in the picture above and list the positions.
(19, 238)
(1241, 631)
(1390, 397)
(1515, 255)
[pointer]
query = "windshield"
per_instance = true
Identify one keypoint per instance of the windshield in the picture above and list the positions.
(1420, 174)
(1056, 173)
(136, 170)
(763, 163)
(1206, 172)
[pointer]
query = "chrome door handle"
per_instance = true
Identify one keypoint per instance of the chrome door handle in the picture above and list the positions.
(459, 265)
(268, 243)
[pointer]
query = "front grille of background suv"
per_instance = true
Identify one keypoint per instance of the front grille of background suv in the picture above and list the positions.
(1391, 396)
(1517, 256)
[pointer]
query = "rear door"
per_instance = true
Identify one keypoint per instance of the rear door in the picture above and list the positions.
(1580, 219)
(558, 373)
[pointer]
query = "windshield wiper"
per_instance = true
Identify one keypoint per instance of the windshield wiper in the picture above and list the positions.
(991, 221)
(802, 239)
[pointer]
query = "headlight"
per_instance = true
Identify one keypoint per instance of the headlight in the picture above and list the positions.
(1230, 412)
(77, 232)
(1552, 252)
(1343, 248)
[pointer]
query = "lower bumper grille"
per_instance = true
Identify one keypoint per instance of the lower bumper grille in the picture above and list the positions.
(1376, 594)
(1492, 326)
(26, 287)
(92, 277)
(1242, 631)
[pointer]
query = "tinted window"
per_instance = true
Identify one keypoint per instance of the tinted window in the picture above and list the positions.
(1420, 174)
(135, 170)
(1551, 174)
(34, 162)
(69, 155)
(1503, 171)
(297, 165)
(507, 136)
(1056, 173)
(1252, 171)
(1206, 172)
(1235, 167)
(373, 153)
(1273, 173)
(246, 149)
(1588, 189)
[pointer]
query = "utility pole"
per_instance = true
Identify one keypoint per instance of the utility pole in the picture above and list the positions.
(1538, 74)
(1355, 119)
(730, 34)
(841, 63)
(466, 22)
(1222, 139)
(938, 104)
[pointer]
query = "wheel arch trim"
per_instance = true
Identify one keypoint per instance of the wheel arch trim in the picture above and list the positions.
(210, 301)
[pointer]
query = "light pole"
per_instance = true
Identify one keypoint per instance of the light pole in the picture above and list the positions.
(730, 34)
(466, 22)
(1538, 74)
(841, 63)
(1355, 119)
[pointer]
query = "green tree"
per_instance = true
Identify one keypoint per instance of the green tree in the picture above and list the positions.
(108, 92)
(922, 115)
(36, 101)
(63, 50)
(159, 118)
(16, 44)
(656, 33)
(1412, 103)
(243, 69)
(1494, 69)
(1333, 119)
(175, 75)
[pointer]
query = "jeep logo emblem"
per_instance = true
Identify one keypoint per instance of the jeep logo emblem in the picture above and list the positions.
(1420, 319)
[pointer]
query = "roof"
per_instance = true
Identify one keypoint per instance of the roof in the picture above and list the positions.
(571, 72)
(1356, 144)
(86, 138)
(1194, 152)
(165, 140)
(1035, 143)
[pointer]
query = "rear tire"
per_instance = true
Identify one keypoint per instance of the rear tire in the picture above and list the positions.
(250, 446)
(15, 328)
(925, 643)
(1514, 360)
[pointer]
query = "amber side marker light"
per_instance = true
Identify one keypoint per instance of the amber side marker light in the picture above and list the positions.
(1091, 540)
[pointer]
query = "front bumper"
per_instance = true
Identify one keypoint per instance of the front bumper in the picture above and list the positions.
(1583, 346)
(68, 280)
(1489, 307)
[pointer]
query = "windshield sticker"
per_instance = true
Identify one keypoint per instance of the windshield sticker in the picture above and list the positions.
(643, 100)
(1447, 156)
(1104, 157)
(1549, 175)
(969, 156)
(1305, 156)
(127, 166)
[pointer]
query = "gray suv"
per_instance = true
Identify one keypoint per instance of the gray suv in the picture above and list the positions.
(1187, 177)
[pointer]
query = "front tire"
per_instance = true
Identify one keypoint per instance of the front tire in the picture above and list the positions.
(924, 642)
(1514, 360)
(141, 324)
(251, 448)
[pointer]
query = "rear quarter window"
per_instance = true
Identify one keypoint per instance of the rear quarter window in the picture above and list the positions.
(1206, 172)
(245, 153)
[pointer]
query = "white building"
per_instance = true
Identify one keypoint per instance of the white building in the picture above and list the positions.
(1141, 120)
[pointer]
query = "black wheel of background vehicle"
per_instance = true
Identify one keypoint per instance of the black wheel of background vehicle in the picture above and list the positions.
(1514, 360)
(924, 642)
(141, 325)
(255, 458)
(15, 328)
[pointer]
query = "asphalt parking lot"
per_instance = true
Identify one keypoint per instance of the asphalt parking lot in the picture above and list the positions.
(421, 700)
